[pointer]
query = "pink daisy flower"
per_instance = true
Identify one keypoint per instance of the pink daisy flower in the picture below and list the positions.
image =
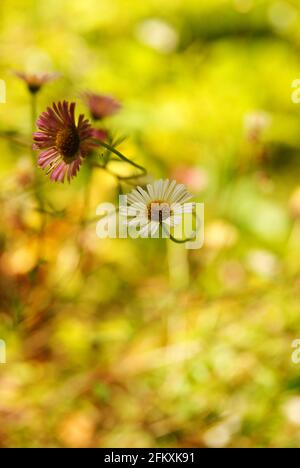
(100, 105)
(35, 81)
(62, 142)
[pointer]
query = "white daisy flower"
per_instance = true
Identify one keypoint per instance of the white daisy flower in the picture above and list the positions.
(162, 204)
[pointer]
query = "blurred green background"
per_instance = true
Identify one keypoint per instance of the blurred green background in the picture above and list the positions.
(140, 343)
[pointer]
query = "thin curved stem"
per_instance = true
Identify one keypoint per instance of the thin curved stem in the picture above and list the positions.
(36, 183)
(178, 241)
(86, 198)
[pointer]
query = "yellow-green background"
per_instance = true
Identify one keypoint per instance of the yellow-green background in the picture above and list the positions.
(140, 343)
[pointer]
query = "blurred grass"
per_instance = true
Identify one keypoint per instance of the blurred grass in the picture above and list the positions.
(115, 349)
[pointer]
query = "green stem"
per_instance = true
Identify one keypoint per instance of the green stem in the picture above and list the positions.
(38, 195)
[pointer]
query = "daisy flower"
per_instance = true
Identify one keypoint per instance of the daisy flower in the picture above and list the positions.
(63, 143)
(100, 105)
(161, 205)
(35, 81)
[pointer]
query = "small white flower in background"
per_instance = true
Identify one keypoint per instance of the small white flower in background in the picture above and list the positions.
(163, 203)
(291, 410)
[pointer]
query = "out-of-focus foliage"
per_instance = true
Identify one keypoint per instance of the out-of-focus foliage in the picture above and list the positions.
(138, 343)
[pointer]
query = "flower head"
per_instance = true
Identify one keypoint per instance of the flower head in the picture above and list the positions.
(35, 81)
(62, 142)
(162, 204)
(100, 105)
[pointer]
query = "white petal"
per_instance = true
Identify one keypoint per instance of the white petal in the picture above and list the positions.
(185, 197)
(166, 229)
(176, 208)
(157, 189)
(175, 194)
(139, 206)
(173, 220)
